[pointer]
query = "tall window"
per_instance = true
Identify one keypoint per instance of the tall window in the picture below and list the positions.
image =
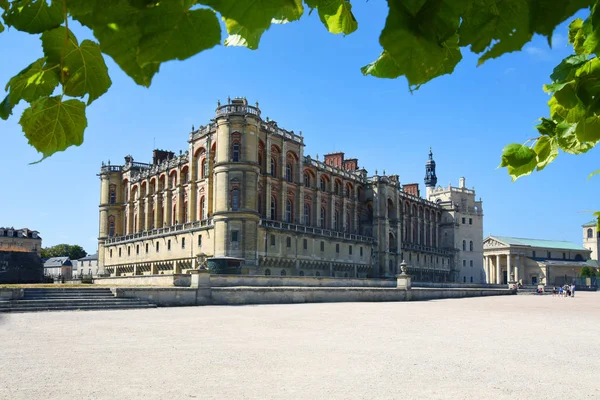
(111, 226)
(306, 214)
(348, 226)
(590, 233)
(236, 152)
(306, 179)
(323, 184)
(202, 208)
(471, 245)
(273, 208)
(464, 245)
(337, 188)
(235, 199)
(323, 215)
(288, 172)
(205, 168)
(112, 195)
(336, 220)
(288, 211)
(273, 167)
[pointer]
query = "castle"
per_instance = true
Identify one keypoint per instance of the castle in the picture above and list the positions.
(245, 193)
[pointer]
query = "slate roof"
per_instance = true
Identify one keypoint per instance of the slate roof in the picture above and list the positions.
(546, 244)
(591, 223)
(89, 257)
(57, 262)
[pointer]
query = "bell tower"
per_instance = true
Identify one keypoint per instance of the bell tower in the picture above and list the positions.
(430, 177)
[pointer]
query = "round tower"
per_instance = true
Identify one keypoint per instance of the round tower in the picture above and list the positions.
(236, 173)
(110, 206)
(430, 177)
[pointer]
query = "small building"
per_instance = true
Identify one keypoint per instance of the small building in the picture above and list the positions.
(87, 266)
(58, 267)
(533, 261)
(22, 239)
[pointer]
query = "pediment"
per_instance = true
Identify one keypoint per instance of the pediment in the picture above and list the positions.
(491, 243)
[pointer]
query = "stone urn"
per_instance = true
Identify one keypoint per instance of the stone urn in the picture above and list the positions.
(403, 268)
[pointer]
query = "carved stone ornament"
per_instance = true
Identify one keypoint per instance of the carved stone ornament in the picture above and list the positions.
(491, 243)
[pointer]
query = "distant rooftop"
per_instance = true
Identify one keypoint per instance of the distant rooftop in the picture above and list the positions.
(591, 223)
(547, 244)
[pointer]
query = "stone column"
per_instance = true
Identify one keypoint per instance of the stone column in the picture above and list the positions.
(508, 267)
(498, 270)
(517, 268)
(149, 219)
(168, 208)
(157, 216)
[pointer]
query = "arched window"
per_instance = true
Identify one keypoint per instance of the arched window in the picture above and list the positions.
(471, 245)
(289, 215)
(267, 272)
(288, 172)
(273, 208)
(306, 179)
(202, 208)
(590, 233)
(336, 220)
(235, 199)
(464, 245)
(323, 219)
(317, 273)
(307, 214)
(236, 152)
(273, 167)
(283, 273)
(337, 188)
(111, 226)
(323, 184)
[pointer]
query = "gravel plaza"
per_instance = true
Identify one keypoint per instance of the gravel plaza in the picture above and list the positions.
(505, 347)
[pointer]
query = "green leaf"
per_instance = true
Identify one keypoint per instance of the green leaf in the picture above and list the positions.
(567, 140)
(546, 127)
(174, 33)
(588, 129)
(546, 15)
(519, 159)
(569, 114)
(336, 15)
(247, 21)
(546, 149)
(596, 172)
(415, 45)
(567, 67)
(33, 82)
(83, 68)
(34, 16)
(52, 125)
(1, 27)
(597, 215)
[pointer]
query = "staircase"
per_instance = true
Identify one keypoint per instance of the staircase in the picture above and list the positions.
(61, 299)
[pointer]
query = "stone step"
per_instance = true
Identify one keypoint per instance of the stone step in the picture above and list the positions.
(80, 308)
(34, 303)
(71, 296)
(99, 290)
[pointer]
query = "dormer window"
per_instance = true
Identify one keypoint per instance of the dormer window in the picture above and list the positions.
(10, 232)
(33, 235)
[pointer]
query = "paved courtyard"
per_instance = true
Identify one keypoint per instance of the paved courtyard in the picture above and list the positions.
(509, 347)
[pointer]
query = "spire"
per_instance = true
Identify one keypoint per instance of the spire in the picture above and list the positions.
(430, 177)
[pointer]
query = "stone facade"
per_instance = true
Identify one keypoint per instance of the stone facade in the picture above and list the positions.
(245, 189)
(20, 240)
(461, 228)
(532, 261)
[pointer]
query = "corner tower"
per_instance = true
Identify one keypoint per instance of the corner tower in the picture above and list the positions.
(236, 172)
(591, 239)
(430, 177)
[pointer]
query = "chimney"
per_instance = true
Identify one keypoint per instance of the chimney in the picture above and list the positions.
(461, 182)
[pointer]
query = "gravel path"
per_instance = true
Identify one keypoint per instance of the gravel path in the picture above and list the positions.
(508, 347)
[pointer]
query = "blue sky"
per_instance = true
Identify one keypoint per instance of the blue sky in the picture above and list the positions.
(309, 80)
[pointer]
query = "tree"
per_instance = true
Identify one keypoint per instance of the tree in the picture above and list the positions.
(74, 252)
(421, 40)
(585, 272)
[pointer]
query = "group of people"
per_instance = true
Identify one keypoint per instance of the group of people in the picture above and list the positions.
(564, 291)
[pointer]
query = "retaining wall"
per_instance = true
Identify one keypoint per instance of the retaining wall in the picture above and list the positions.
(296, 281)
(178, 280)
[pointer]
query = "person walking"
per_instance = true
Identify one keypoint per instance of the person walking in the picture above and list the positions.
(554, 291)
(560, 291)
(572, 290)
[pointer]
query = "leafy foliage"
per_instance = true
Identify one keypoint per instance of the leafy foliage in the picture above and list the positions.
(574, 122)
(73, 251)
(421, 40)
